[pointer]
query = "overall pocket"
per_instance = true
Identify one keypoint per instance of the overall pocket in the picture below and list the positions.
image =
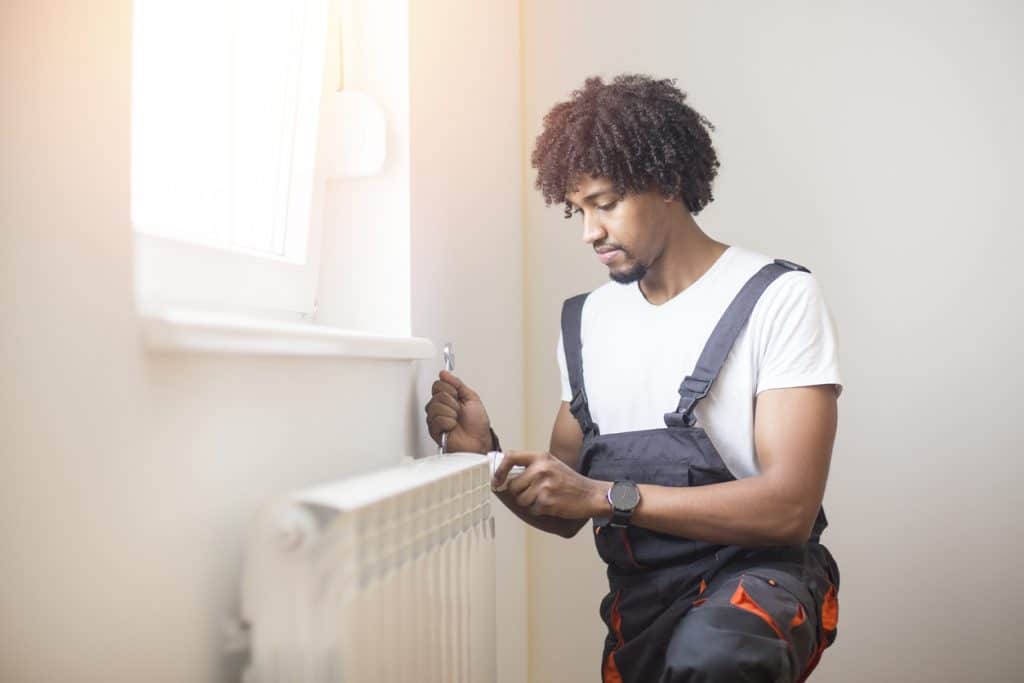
(616, 546)
(786, 605)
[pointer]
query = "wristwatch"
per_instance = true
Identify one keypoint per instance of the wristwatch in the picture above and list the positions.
(623, 496)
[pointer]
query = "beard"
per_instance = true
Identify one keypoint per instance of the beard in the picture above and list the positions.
(634, 274)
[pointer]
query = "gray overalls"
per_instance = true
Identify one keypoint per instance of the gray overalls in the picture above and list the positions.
(685, 610)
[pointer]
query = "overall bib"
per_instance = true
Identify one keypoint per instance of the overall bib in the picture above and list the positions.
(680, 609)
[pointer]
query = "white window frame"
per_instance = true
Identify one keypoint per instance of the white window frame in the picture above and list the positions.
(175, 272)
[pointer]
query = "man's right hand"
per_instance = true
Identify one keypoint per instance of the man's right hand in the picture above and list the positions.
(456, 409)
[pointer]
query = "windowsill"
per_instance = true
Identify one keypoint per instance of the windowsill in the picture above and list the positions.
(182, 330)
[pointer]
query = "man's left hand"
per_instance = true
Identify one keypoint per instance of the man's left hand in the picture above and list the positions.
(550, 487)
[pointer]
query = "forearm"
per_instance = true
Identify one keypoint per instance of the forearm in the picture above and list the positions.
(753, 511)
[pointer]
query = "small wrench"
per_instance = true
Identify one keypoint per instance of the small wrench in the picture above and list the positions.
(449, 365)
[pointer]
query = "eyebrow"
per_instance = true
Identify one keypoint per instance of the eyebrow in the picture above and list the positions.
(592, 195)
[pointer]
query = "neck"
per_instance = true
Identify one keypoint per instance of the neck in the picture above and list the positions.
(688, 254)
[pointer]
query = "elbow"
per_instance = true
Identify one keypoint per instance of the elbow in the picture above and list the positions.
(796, 526)
(798, 537)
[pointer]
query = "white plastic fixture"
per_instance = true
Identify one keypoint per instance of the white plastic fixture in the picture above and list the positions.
(356, 127)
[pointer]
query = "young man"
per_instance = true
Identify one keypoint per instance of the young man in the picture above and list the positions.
(705, 495)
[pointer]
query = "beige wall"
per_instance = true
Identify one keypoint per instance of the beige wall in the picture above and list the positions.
(879, 144)
(127, 479)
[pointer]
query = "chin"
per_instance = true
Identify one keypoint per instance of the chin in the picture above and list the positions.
(628, 276)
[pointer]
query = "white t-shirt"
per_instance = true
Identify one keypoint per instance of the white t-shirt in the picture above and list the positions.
(636, 354)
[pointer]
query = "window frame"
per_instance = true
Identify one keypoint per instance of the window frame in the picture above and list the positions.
(240, 280)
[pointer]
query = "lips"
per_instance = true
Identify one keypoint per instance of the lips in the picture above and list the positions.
(608, 255)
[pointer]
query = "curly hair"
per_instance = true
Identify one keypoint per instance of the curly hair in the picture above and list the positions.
(637, 131)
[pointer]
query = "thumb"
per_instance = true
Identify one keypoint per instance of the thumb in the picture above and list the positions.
(465, 393)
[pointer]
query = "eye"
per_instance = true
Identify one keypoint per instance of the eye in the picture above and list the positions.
(609, 206)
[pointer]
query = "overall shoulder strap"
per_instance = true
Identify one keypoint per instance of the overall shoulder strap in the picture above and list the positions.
(572, 316)
(696, 386)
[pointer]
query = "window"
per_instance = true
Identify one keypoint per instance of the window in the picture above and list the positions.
(226, 196)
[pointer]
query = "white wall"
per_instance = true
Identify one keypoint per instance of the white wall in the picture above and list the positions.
(467, 254)
(877, 147)
(127, 479)
(879, 144)
(367, 229)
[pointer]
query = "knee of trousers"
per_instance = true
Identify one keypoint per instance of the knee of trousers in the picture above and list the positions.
(715, 644)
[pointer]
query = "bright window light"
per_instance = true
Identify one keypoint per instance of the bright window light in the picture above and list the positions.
(225, 105)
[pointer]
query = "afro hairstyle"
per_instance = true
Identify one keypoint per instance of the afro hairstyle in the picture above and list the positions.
(636, 131)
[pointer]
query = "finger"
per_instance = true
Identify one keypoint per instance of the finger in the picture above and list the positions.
(441, 387)
(463, 392)
(441, 420)
(447, 399)
(442, 423)
(441, 402)
(438, 424)
(517, 485)
(510, 460)
(527, 477)
(501, 471)
(527, 498)
(440, 408)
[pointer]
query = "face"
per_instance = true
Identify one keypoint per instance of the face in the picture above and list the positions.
(627, 232)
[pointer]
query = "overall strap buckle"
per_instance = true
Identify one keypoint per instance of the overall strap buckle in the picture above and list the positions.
(676, 419)
(691, 390)
(698, 388)
(695, 387)
(579, 400)
(580, 409)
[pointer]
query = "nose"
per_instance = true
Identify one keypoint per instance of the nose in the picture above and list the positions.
(593, 231)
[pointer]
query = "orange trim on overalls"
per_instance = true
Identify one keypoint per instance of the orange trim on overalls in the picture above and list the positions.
(742, 599)
(629, 548)
(798, 618)
(610, 671)
(829, 621)
(830, 610)
(701, 601)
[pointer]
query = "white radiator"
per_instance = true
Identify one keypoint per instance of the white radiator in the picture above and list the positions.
(387, 577)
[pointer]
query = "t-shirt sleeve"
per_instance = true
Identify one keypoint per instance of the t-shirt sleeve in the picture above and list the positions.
(798, 344)
(563, 370)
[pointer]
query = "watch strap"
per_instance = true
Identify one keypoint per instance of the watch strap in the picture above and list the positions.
(621, 517)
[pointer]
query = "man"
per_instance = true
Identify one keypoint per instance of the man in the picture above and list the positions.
(706, 495)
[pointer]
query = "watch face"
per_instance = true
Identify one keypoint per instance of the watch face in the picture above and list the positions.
(624, 495)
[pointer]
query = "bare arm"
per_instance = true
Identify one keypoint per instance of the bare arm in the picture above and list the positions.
(566, 441)
(794, 431)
